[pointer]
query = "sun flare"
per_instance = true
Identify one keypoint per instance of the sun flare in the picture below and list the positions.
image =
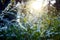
(36, 7)
(37, 4)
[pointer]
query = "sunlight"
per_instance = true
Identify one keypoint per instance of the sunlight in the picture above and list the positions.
(37, 4)
(36, 7)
